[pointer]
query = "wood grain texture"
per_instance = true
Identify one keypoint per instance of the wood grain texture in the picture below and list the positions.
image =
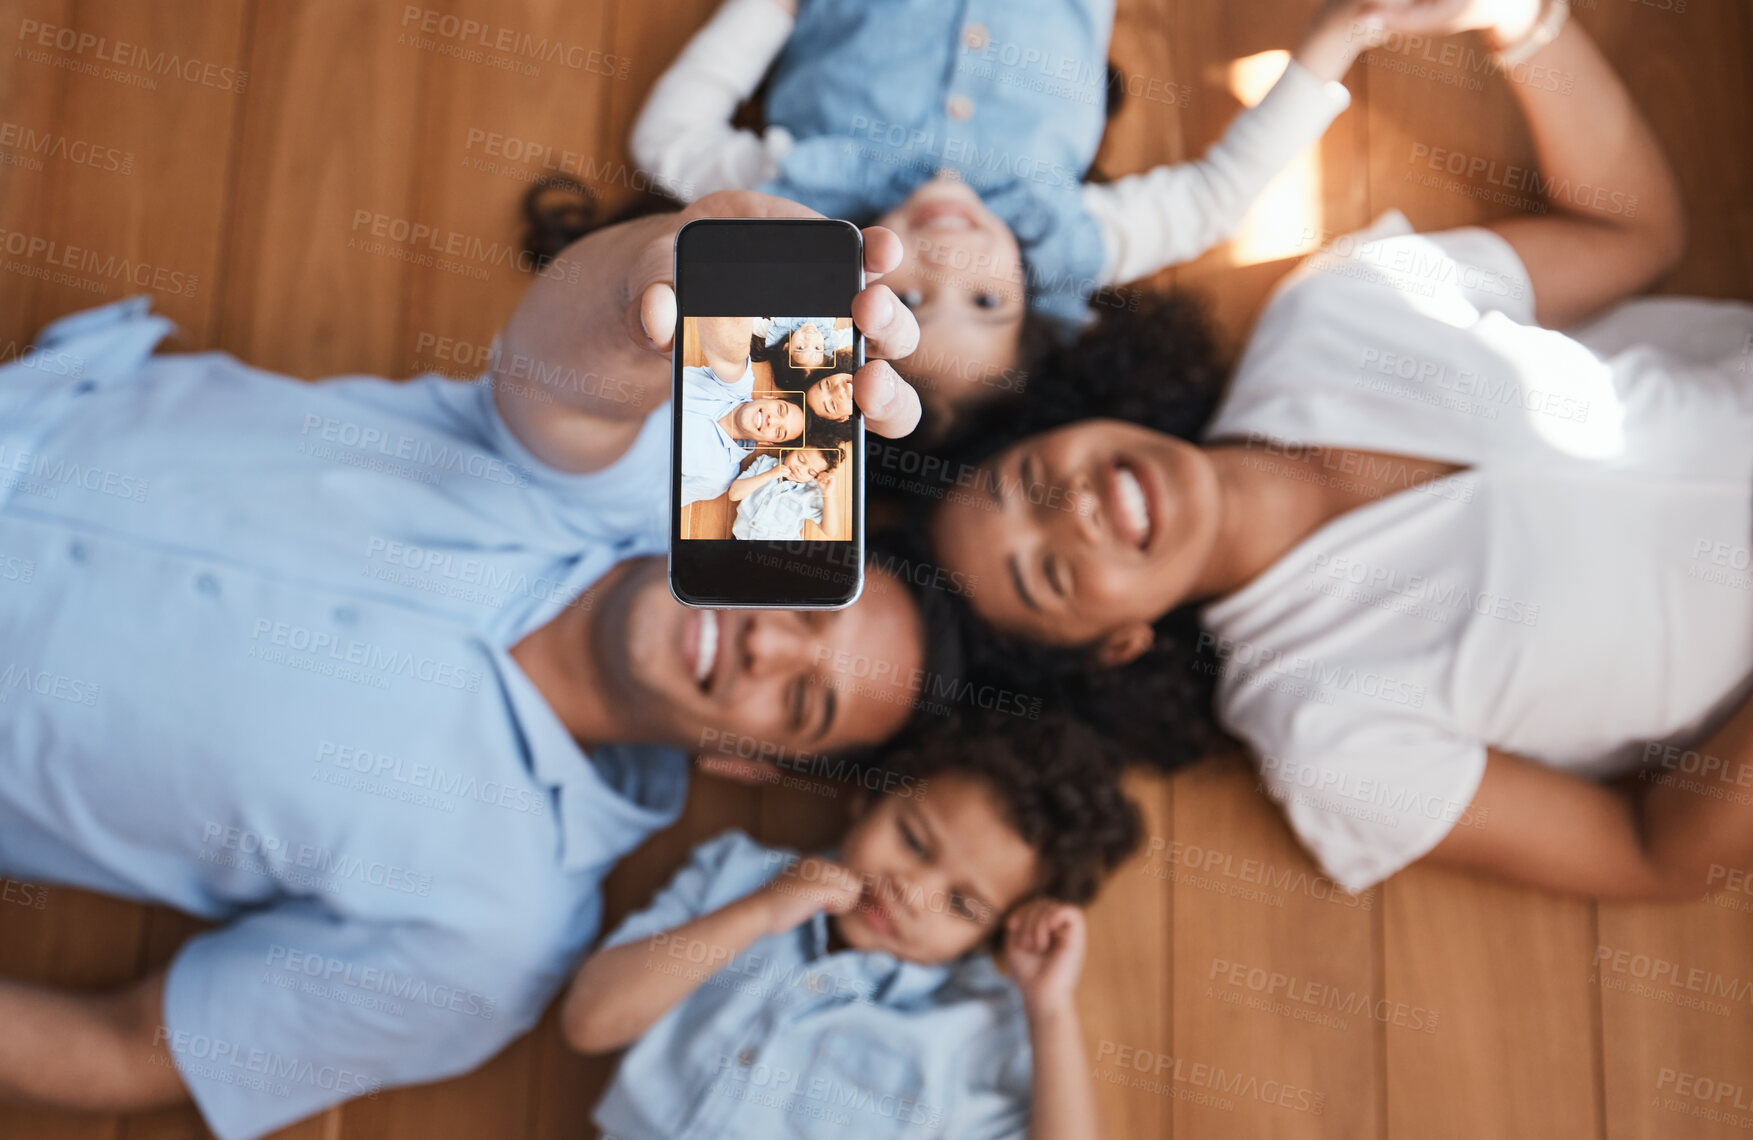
(1444, 1007)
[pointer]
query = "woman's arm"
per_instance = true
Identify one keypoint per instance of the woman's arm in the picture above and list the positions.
(102, 1052)
(1616, 222)
(620, 992)
(683, 136)
(1674, 837)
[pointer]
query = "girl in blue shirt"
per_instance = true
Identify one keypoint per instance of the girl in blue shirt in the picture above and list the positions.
(969, 128)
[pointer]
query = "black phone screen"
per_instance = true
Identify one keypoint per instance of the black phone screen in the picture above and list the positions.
(767, 490)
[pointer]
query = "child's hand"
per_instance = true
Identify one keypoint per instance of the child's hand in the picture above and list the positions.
(810, 885)
(826, 481)
(1044, 947)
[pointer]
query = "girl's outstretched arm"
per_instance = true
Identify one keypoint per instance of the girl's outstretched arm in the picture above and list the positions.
(683, 138)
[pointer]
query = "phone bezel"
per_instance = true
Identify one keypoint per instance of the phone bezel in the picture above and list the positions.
(824, 255)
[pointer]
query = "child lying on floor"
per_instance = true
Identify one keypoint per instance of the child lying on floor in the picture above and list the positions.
(774, 496)
(970, 133)
(855, 993)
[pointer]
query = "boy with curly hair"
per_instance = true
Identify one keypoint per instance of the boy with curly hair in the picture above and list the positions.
(855, 993)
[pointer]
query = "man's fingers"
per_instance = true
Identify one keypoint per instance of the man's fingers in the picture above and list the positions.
(657, 315)
(890, 332)
(889, 403)
(882, 252)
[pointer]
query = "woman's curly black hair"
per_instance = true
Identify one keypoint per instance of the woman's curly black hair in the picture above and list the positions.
(1152, 360)
(1055, 781)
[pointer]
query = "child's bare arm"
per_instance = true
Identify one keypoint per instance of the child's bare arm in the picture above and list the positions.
(832, 515)
(745, 485)
(620, 992)
(1044, 947)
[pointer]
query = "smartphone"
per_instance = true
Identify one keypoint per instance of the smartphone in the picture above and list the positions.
(767, 447)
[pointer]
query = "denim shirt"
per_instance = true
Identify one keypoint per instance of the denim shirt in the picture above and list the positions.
(789, 1040)
(881, 94)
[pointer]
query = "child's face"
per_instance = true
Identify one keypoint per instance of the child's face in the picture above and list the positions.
(769, 420)
(941, 868)
(804, 464)
(963, 279)
(831, 396)
(809, 349)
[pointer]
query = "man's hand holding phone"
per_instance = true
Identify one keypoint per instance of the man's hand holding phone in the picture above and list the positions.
(602, 318)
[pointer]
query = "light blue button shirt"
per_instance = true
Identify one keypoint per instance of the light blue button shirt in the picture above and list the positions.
(711, 457)
(1010, 94)
(259, 672)
(834, 339)
(789, 1040)
(776, 510)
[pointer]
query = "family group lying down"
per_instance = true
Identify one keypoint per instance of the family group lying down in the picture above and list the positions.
(1442, 550)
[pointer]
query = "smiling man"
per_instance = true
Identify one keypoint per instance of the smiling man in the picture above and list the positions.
(382, 677)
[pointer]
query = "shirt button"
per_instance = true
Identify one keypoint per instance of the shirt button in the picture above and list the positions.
(207, 584)
(975, 37)
(345, 615)
(746, 1057)
(960, 107)
(84, 386)
(76, 551)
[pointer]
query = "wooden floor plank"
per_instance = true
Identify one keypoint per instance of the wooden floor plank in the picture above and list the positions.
(1506, 968)
(32, 153)
(1124, 997)
(315, 281)
(1275, 982)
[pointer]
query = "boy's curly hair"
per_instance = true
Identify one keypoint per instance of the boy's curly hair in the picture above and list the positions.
(1055, 782)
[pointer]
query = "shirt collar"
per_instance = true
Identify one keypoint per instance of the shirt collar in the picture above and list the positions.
(608, 801)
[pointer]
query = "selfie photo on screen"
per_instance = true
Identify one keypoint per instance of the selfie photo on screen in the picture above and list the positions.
(766, 440)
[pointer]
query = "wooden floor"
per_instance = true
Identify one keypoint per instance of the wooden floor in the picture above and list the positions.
(1232, 992)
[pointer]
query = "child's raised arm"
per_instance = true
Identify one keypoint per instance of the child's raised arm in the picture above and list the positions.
(620, 992)
(1176, 212)
(683, 137)
(1044, 949)
(745, 485)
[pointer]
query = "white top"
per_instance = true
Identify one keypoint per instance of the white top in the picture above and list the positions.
(1581, 592)
(1149, 221)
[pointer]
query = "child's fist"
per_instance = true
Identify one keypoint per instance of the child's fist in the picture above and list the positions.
(1044, 947)
(808, 886)
(826, 481)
